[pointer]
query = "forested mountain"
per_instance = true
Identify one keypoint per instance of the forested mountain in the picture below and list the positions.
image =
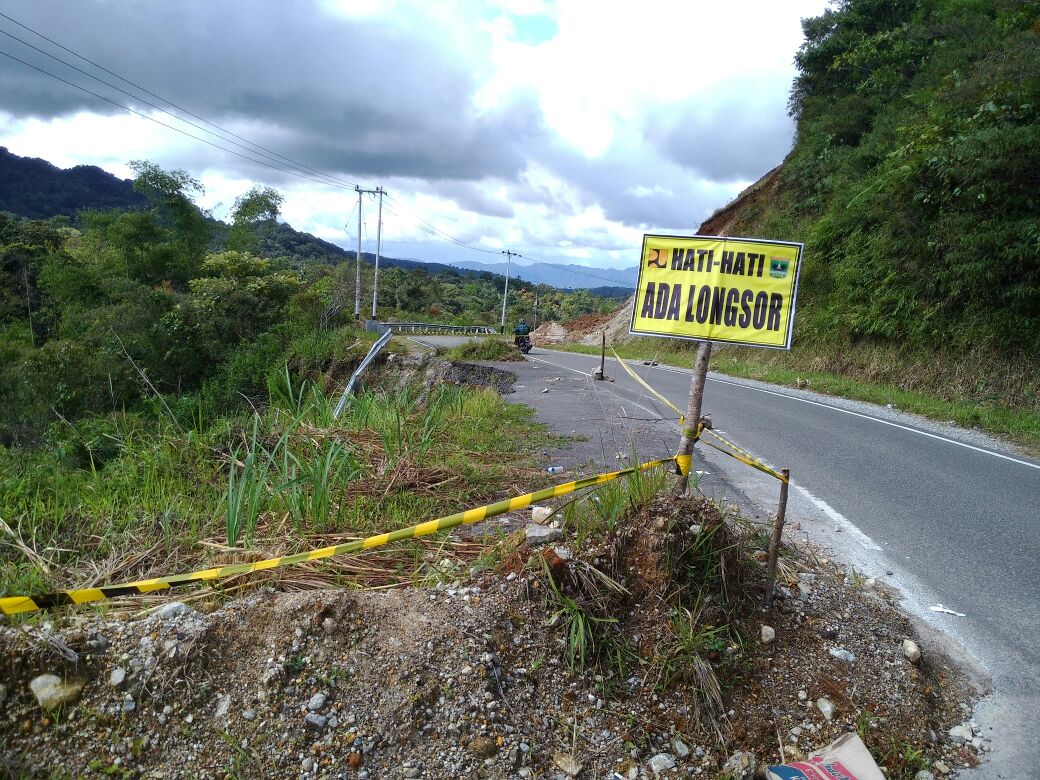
(36, 189)
(915, 177)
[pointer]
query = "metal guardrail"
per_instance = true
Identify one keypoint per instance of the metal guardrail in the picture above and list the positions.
(427, 327)
(372, 352)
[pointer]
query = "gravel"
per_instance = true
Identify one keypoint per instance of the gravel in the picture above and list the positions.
(468, 678)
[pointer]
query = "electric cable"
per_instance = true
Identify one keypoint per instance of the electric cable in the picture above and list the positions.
(168, 126)
(294, 163)
(274, 159)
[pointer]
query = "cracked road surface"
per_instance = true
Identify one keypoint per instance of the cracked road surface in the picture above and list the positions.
(946, 515)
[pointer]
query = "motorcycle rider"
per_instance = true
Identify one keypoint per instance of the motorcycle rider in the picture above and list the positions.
(521, 332)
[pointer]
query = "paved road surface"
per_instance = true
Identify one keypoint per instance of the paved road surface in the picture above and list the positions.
(945, 514)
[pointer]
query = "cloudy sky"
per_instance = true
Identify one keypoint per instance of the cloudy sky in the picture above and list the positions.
(562, 129)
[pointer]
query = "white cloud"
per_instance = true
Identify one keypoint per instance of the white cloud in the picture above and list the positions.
(562, 128)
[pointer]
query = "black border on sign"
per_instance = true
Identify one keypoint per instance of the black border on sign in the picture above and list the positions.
(742, 240)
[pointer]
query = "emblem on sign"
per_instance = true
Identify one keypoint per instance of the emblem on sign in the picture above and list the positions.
(778, 267)
(655, 260)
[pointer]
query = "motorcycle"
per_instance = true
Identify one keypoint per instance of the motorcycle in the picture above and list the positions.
(523, 343)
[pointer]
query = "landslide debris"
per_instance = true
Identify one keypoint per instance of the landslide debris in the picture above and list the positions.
(634, 651)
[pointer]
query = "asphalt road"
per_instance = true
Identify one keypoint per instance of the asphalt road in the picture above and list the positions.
(946, 515)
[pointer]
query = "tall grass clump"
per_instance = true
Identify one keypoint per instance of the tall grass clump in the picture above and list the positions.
(247, 489)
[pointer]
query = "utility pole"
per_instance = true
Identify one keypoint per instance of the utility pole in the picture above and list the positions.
(357, 280)
(505, 293)
(379, 248)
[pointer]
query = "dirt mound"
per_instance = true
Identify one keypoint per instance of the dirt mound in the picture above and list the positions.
(587, 323)
(548, 333)
(605, 655)
(587, 329)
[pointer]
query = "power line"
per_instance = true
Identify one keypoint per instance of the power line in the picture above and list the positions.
(168, 126)
(147, 103)
(302, 167)
(443, 233)
(274, 159)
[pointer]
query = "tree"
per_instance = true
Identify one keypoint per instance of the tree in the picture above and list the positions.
(172, 194)
(258, 208)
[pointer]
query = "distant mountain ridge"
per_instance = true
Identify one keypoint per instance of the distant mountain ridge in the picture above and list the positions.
(562, 275)
(36, 189)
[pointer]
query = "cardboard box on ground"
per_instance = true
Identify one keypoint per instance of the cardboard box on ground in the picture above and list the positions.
(846, 758)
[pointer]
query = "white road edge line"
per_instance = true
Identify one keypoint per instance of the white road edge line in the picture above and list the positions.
(856, 414)
(847, 525)
(850, 528)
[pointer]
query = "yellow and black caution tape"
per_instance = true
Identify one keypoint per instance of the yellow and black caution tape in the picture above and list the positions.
(12, 605)
(654, 393)
(742, 455)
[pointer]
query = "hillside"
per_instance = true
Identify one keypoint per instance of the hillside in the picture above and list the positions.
(36, 189)
(913, 178)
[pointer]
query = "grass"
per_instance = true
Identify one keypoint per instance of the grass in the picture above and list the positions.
(491, 349)
(285, 478)
(988, 395)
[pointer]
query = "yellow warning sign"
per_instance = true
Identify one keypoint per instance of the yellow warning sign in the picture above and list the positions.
(712, 288)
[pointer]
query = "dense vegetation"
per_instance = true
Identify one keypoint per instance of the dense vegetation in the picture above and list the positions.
(914, 182)
(166, 395)
(156, 308)
(917, 169)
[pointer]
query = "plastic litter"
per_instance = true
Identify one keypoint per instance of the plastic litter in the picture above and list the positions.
(945, 610)
(846, 758)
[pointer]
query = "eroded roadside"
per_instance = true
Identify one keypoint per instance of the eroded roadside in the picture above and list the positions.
(481, 674)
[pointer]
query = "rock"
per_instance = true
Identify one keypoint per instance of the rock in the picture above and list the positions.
(354, 760)
(563, 553)
(680, 748)
(540, 514)
(411, 772)
(911, 651)
(52, 692)
(961, 734)
(315, 720)
(223, 707)
(940, 767)
(662, 762)
(539, 534)
(172, 610)
(767, 634)
(316, 702)
(567, 763)
(842, 654)
(118, 677)
(249, 714)
(741, 766)
(802, 695)
(825, 706)
(924, 774)
(307, 764)
(483, 747)
(129, 705)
